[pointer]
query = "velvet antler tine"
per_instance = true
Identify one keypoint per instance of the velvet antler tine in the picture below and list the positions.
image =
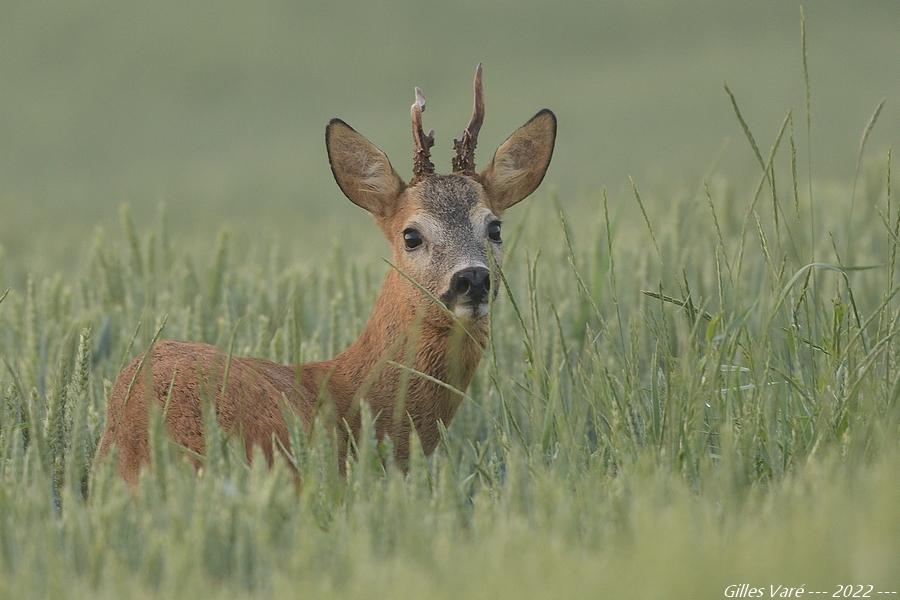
(422, 142)
(478, 108)
(464, 161)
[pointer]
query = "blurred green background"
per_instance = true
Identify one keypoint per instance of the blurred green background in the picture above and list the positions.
(218, 109)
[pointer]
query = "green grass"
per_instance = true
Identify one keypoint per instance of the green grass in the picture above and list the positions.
(688, 385)
(732, 429)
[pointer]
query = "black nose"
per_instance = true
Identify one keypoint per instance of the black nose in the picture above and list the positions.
(473, 283)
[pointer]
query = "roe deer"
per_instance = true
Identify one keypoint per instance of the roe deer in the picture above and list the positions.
(431, 314)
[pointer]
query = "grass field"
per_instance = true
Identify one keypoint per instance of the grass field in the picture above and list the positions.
(692, 380)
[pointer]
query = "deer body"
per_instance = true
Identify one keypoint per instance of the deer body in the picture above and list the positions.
(414, 355)
(251, 397)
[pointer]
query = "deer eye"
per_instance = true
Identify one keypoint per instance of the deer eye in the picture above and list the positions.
(412, 238)
(494, 231)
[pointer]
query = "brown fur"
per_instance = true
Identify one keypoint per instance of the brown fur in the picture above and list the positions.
(185, 374)
(405, 327)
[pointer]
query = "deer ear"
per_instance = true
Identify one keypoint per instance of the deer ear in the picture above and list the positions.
(519, 165)
(361, 169)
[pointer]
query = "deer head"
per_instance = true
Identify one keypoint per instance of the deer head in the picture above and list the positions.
(442, 228)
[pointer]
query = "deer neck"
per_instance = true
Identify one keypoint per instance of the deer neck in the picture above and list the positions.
(406, 348)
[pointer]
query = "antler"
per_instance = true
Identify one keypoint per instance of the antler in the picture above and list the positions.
(422, 143)
(464, 161)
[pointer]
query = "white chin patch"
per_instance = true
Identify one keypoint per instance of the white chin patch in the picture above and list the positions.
(469, 312)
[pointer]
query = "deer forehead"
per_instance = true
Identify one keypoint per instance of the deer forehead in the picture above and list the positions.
(448, 206)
